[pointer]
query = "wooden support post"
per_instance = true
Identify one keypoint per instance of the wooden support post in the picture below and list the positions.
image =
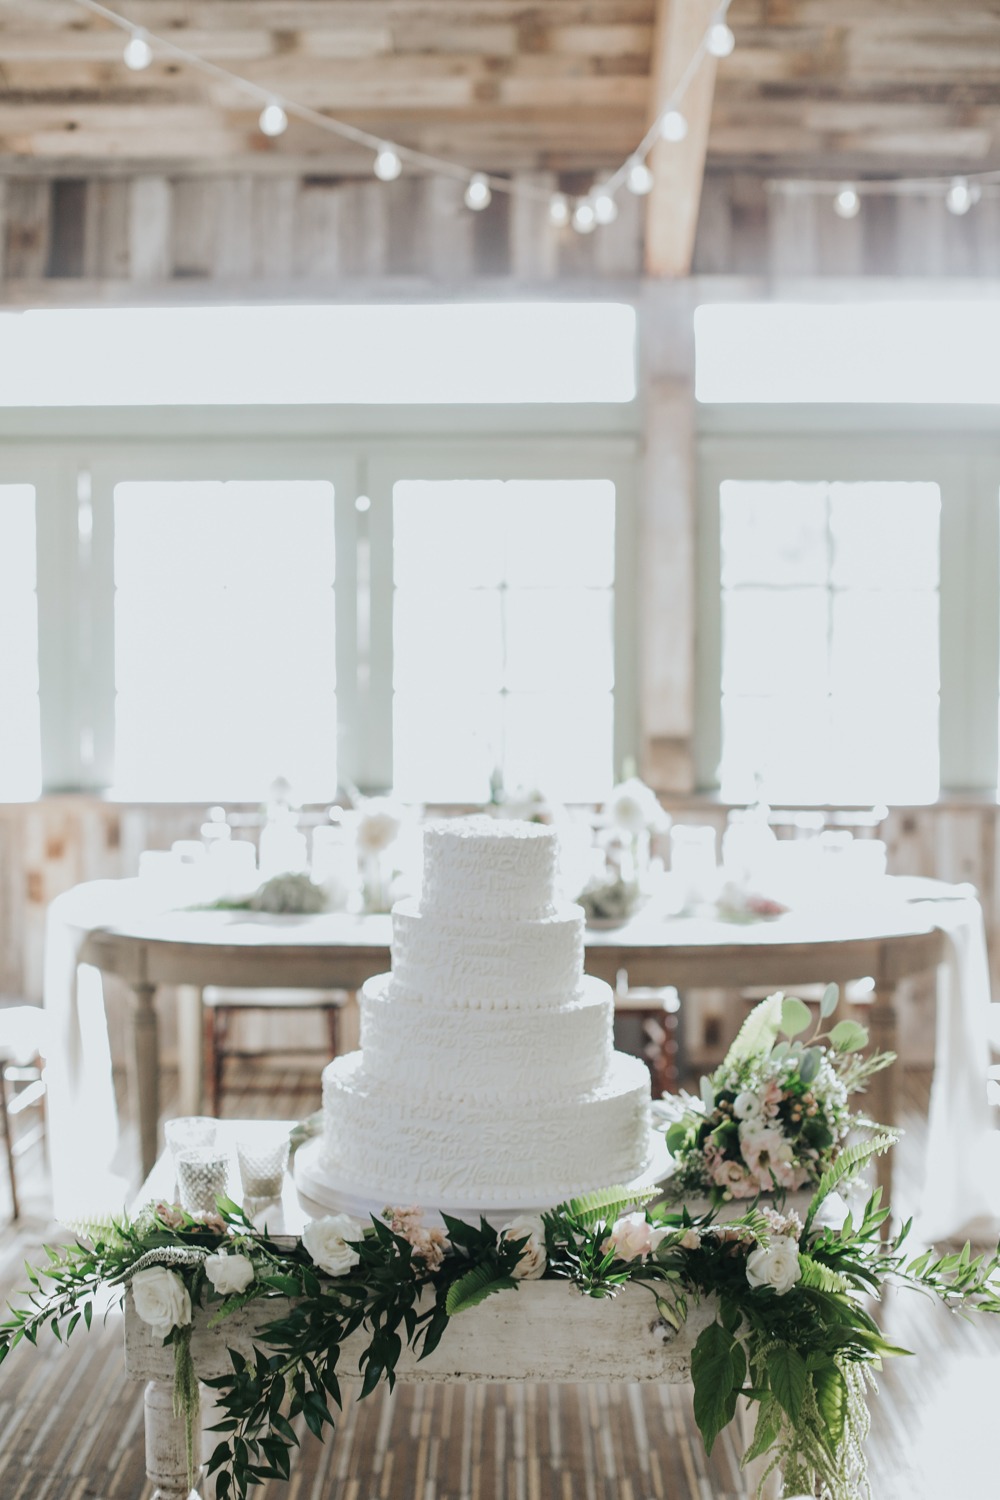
(146, 1070)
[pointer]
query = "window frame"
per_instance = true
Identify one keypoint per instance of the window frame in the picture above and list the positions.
(853, 444)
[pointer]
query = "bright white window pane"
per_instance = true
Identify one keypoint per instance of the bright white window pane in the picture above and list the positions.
(560, 531)
(224, 638)
(503, 588)
(775, 641)
(942, 352)
(448, 533)
(773, 533)
(450, 636)
(785, 742)
(446, 746)
(559, 637)
(885, 535)
(884, 749)
(20, 746)
(886, 641)
(204, 356)
(559, 740)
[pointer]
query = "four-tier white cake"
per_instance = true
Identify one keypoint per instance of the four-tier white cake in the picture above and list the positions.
(487, 1074)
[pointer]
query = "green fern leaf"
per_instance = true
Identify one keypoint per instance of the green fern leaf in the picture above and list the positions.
(474, 1287)
(848, 1165)
(821, 1277)
(606, 1204)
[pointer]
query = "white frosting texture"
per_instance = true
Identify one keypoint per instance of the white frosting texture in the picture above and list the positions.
(486, 1074)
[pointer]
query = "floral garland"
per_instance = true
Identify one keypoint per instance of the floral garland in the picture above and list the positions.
(791, 1332)
(776, 1114)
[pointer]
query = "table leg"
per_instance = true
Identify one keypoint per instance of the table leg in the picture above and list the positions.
(190, 1081)
(145, 1078)
(882, 1102)
(166, 1449)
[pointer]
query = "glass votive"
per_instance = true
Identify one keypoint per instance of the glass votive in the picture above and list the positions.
(692, 861)
(202, 1177)
(262, 1166)
(188, 1131)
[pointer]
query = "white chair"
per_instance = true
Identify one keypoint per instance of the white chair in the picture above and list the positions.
(22, 1046)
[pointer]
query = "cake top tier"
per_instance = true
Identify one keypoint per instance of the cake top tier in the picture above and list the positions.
(482, 867)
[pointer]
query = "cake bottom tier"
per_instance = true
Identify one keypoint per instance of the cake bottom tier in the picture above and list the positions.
(436, 1151)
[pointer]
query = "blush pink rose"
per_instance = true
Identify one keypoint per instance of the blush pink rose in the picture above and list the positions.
(633, 1237)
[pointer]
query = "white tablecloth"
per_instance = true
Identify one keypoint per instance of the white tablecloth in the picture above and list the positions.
(90, 1175)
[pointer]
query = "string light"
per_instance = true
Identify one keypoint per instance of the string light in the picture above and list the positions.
(138, 53)
(605, 207)
(388, 164)
(584, 217)
(673, 126)
(847, 203)
(478, 195)
(559, 210)
(273, 120)
(639, 179)
(962, 195)
(720, 39)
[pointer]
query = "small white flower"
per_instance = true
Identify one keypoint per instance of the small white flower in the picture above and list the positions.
(747, 1106)
(161, 1299)
(533, 1260)
(326, 1242)
(229, 1273)
(633, 806)
(775, 1265)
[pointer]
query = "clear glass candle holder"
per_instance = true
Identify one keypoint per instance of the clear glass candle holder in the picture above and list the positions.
(189, 1131)
(262, 1166)
(202, 1177)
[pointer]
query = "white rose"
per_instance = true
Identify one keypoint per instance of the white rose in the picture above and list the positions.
(532, 1260)
(775, 1265)
(747, 1106)
(161, 1299)
(229, 1273)
(633, 806)
(326, 1242)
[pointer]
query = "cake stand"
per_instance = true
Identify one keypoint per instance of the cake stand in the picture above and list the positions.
(321, 1193)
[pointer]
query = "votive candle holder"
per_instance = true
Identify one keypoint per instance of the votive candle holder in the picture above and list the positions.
(202, 1177)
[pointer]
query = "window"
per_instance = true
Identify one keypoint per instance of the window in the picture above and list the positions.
(20, 749)
(503, 627)
(225, 662)
(829, 640)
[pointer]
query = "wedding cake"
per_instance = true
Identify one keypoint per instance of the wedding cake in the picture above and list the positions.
(487, 1074)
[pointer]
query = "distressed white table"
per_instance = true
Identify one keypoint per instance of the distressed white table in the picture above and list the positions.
(544, 1332)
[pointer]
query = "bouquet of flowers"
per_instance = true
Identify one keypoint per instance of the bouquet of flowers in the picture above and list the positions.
(776, 1115)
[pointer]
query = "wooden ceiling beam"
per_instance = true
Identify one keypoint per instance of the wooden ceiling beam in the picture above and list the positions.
(678, 167)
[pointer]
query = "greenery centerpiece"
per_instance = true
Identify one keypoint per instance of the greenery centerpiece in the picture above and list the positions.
(792, 1330)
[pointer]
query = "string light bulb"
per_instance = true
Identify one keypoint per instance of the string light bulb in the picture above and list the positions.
(559, 210)
(673, 126)
(584, 217)
(273, 120)
(847, 203)
(387, 165)
(477, 194)
(639, 179)
(138, 53)
(605, 207)
(961, 195)
(720, 39)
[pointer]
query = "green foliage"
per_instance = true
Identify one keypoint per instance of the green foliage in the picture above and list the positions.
(795, 1015)
(474, 1287)
(718, 1369)
(607, 1205)
(848, 1036)
(847, 1166)
(758, 1033)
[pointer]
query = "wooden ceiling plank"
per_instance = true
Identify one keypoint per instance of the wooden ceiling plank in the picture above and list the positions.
(678, 167)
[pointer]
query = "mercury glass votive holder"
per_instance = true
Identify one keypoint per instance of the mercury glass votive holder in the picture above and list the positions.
(188, 1131)
(262, 1166)
(202, 1177)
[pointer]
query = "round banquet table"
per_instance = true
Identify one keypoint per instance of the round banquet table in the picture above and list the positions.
(887, 942)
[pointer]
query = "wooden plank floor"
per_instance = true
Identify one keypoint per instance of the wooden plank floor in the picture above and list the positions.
(71, 1426)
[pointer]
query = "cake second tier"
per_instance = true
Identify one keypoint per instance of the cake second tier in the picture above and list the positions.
(439, 1144)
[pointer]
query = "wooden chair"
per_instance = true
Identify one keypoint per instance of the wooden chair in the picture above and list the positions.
(658, 1011)
(21, 1085)
(221, 1005)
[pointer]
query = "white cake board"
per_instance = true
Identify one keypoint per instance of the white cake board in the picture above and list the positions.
(320, 1194)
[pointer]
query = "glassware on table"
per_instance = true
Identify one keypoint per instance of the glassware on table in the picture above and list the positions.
(188, 1131)
(262, 1164)
(692, 862)
(202, 1177)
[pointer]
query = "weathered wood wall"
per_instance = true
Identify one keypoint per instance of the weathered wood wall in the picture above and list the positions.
(50, 845)
(119, 237)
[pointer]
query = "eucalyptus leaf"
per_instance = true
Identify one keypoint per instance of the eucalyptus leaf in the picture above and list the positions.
(848, 1036)
(809, 1066)
(795, 1015)
(830, 1000)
